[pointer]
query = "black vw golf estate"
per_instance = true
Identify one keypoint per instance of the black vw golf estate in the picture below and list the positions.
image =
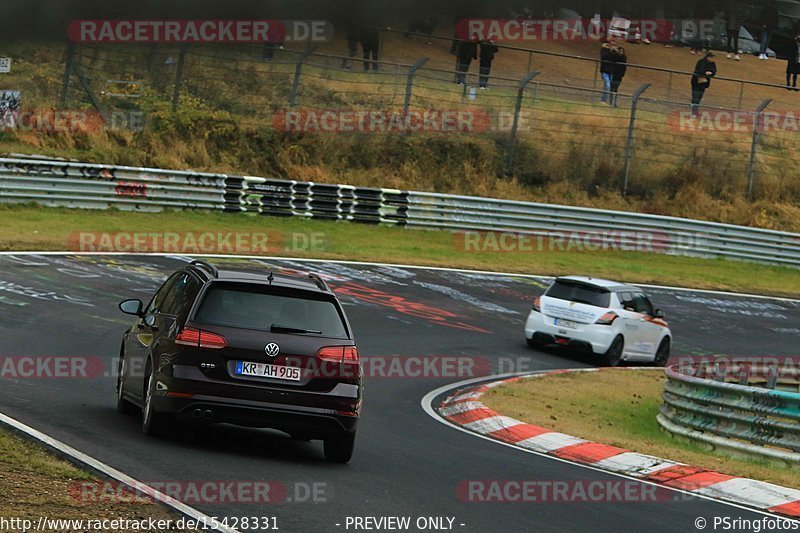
(245, 348)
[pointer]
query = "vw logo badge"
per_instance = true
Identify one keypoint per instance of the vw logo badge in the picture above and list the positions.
(272, 349)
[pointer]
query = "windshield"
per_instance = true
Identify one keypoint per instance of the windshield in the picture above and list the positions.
(240, 306)
(579, 293)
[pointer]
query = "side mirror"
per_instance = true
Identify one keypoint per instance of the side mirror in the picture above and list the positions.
(658, 313)
(132, 307)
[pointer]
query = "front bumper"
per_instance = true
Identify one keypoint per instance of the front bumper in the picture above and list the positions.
(585, 337)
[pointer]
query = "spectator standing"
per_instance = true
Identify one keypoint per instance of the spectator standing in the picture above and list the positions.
(608, 59)
(487, 53)
(620, 68)
(769, 23)
(705, 69)
(793, 64)
(370, 38)
(467, 51)
(733, 25)
(351, 34)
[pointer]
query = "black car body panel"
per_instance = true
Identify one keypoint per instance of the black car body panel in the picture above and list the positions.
(196, 355)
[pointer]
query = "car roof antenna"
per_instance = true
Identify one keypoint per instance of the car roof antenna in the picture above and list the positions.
(270, 278)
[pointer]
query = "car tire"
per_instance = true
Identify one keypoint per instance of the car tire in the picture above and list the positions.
(123, 406)
(613, 356)
(339, 449)
(154, 424)
(662, 354)
(536, 345)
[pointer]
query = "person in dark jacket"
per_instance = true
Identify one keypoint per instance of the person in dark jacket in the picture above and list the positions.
(370, 38)
(705, 69)
(487, 53)
(467, 51)
(620, 68)
(793, 64)
(608, 60)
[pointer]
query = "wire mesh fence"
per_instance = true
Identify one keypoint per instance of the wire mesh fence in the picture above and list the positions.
(547, 129)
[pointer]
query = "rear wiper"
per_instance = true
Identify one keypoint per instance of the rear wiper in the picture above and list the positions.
(277, 328)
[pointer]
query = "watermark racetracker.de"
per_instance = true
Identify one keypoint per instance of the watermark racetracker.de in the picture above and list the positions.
(199, 31)
(199, 242)
(571, 241)
(63, 121)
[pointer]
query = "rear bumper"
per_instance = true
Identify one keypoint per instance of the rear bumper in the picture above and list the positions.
(588, 337)
(191, 396)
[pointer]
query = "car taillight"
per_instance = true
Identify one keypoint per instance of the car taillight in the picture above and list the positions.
(199, 338)
(537, 304)
(339, 354)
(607, 319)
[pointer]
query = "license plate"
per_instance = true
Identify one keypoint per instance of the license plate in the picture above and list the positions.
(263, 370)
(560, 322)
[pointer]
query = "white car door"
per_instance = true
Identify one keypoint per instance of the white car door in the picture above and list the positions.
(634, 327)
(650, 331)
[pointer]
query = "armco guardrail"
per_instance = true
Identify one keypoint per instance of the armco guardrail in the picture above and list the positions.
(74, 184)
(702, 404)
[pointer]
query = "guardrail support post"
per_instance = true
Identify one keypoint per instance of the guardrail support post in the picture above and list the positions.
(176, 92)
(757, 124)
(523, 83)
(631, 130)
(410, 82)
(298, 68)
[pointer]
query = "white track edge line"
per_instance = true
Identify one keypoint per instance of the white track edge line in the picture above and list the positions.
(426, 404)
(395, 265)
(113, 473)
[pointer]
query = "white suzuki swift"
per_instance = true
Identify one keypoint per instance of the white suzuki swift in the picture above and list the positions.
(609, 319)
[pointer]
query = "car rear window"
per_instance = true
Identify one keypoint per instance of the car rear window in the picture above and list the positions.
(255, 307)
(579, 293)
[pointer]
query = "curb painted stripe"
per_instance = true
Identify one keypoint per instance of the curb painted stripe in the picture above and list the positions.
(465, 409)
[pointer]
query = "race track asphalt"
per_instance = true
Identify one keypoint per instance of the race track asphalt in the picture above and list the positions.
(406, 463)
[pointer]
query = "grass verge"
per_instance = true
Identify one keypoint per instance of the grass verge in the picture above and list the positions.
(35, 228)
(36, 484)
(624, 417)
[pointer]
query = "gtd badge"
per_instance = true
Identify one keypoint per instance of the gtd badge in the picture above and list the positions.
(272, 349)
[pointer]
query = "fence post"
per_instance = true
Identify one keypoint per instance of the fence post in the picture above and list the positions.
(751, 173)
(631, 130)
(176, 92)
(70, 57)
(410, 82)
(741, 94)
(523, 83)
(669, 87)
(297, 72)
